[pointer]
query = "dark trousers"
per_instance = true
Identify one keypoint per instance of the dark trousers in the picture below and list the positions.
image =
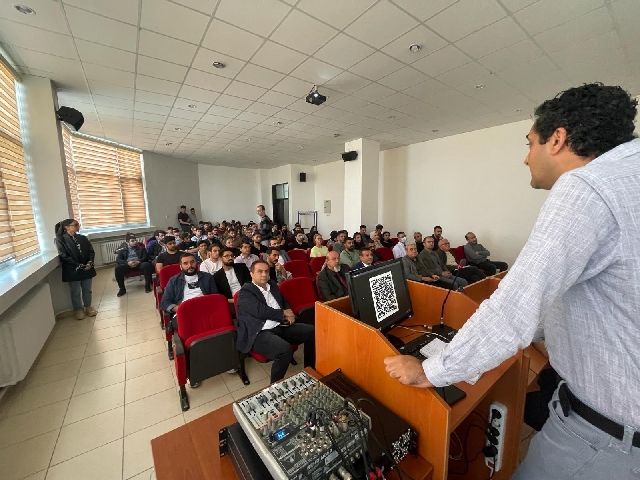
(490, 266)
(470, 274)
(144, 267)
(275, 344)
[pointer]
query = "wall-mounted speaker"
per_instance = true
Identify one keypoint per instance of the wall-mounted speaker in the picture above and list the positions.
(71, 116)
(348, 156)
(303, 177)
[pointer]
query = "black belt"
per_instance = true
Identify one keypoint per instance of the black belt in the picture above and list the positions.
(569, 402)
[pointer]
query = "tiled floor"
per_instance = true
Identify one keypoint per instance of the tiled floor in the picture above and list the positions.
(102, 388)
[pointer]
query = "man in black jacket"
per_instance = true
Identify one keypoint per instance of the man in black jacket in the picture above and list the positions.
(186, 285)
(133, 258)
(331, 279)
(231, 276)
(266, 225)
(267, 325)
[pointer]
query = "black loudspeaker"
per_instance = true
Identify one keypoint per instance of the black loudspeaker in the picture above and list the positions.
(71, 116)
(303, 177)
(348, 156)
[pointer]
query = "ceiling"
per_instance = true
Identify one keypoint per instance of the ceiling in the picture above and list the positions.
(141, 70)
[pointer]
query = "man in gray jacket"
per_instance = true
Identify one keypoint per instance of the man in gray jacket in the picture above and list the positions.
(477, 255)
(409, 265)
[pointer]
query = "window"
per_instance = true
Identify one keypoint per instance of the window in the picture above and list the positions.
(18, 236)
(105, 183)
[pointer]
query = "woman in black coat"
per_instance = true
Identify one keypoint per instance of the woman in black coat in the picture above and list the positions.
(76, 256)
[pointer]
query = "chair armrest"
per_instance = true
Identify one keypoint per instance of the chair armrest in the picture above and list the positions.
(159, 290)
(178, 347)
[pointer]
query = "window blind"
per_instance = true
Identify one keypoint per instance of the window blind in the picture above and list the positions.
(18, 236)
(105, 183)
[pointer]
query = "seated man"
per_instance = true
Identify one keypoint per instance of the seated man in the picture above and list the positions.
(156, 245)
(410, 266)
(331, 279)
(211, 237)
(230, 243)
(246, 256)
(318, 249)
(188, 284)
(277, 243)
(300, 242)
(349, 256)
(171, 256)
(386, 240)
(277, 271)
(266, 324)
(429, 266)
(203, 251)
(364, 234)
(479, 256)
(134, 258)
(212, 264)
(199, 235)
(257, 248)
(231, 276)
(417, 238)
(470, 273)
(372, 247)
(398, 249)
(366, 258)
(338, 245)
(186, 244)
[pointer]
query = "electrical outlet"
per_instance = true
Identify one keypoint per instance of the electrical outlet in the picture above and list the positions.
(498, 420)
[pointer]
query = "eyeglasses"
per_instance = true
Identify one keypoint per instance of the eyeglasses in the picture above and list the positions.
(228, 256)
(446, 243)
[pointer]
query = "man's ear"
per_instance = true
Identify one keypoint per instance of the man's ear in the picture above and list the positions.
(557, 141)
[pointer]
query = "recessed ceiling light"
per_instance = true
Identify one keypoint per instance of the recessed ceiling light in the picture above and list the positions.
(191, 105)
(480, 87)
(415, 47)
(277, 123)
(24, 9)
(247, 139)
(218, 64)
(434, 131)
(168, 143)
(178, 129)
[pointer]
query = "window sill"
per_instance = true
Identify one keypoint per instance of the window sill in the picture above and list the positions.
(118, 233)
(21, 278)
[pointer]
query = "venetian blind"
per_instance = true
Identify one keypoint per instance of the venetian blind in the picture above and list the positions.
(18, 236)
(105, 183)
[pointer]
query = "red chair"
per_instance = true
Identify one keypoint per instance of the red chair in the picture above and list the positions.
(204, 344)
(458, 253)
(324, 242)
(298, 255)
(163, 278)
(395, 240)
(257, 356)
(385, 253)
(316, 265)
(301, 295)
(297, 268)
(330, 248)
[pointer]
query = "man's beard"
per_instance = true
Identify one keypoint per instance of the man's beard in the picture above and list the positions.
(190, 271)
(336, 268)
(228, 263)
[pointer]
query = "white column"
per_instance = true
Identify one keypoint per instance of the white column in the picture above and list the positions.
(361, 185)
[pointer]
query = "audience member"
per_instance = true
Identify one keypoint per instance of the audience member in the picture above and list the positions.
(230, 243)
(470, 273)
(156, 245)
(312, 233)
(171, 256)
(246, 256)
(349, 256)
(212, 238)
(429, 265)
(277, 272)
(331, 279)
(266, 323)
(256, 246)
(437, 235)
(338, 245)
(203, 251)
(417, 238)
(372, 247)
(398, 249)
(375, 237)
(378, 230)
(318, 249)
(364, 234)
(299, 242)
(366, 258)
(333, 238)
(277, 243)
(265, 223)
(231, 276)
(183, 219)
(386, 240)
(477, 255)
(186, 244)
(410, 266)
(133, 258)
(198, 235)
(212, 264)
(357, 241)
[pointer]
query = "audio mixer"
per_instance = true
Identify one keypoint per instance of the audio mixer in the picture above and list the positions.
(302, 429)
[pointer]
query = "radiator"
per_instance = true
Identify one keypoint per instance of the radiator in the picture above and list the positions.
(24, 329)
(109, 249)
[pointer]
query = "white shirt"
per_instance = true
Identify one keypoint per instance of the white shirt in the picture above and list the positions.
(451, 260)
(232, 278)
(271, 302)
(190, 293)
(210, 266)
(399, 251)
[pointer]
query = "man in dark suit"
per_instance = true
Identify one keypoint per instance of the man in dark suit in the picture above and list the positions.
(366, 259)
(231, 276)
(267, 325)
(331, 279)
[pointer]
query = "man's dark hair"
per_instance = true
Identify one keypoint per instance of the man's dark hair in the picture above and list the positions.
(158, 232)
(257, 262)
(226, 249)
(169, 239)
(596, 117)
(261, 206)
(363, 226)
(343, 231)
(347, 239)
(186, 235)
(379, 227)
(213, 244)
(183, 206)
(272, 249)
(437, 226)
(206, 242)
(365, 249)
(194, 210)
(245, 242)
(185, 255)
(385, 232)
(398, 233)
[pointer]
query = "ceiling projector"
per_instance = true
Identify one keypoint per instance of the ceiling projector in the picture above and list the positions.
(315, 98)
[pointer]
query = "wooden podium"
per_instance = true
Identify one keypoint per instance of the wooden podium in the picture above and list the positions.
(359, 350)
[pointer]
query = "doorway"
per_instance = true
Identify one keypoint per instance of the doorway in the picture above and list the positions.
(280, 202)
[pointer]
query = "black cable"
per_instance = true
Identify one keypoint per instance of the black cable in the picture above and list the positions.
(466, 460)
(365, 448)
(348, 465)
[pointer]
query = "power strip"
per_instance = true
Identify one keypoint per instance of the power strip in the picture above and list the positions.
(497, 423)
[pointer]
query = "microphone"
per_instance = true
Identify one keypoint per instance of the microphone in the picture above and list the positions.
(442, 329)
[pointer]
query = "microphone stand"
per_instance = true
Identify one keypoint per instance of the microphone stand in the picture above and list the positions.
(443, 329)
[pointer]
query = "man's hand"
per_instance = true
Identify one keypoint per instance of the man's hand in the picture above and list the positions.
(408, 370)
(446, 274)
(289, 316)
(88, 266)
(428, 279)
(435, 277)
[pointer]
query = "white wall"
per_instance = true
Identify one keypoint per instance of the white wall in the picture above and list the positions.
(470, 182)
(228, 193)
(328, 182)
(271, 177)
(301, 195)
(170, 182)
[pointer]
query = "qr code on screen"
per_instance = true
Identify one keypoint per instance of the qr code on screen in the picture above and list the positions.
(384, 297)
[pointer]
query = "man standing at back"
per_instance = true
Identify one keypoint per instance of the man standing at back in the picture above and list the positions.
(577, 282)
(266, 225)
(183, 219)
